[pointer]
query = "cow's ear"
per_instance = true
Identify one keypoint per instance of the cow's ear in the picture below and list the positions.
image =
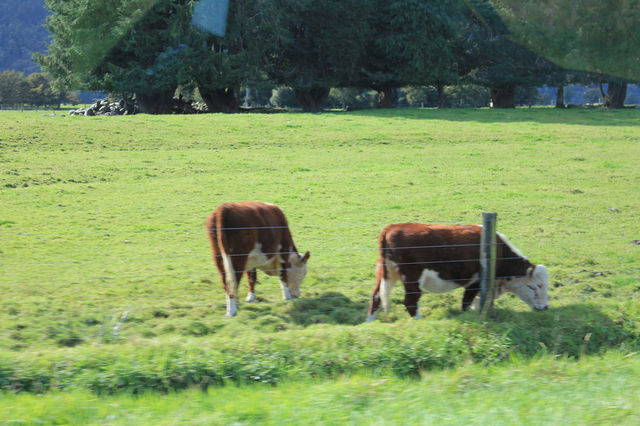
(306, 256)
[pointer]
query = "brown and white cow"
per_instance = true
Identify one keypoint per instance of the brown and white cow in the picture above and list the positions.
(441, 258)
(249, 235)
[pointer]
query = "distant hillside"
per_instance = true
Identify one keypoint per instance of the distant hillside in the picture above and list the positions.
(22, 32)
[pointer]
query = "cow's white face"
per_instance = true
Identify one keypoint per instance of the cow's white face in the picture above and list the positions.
(296, 274)
(532, 288)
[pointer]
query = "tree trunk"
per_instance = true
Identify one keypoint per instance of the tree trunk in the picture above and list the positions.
(560, 97)
(504, 96)
(616, 94)
(155, 102)
(440, 89)
(220, 100)
(385, 97)
(312, 99)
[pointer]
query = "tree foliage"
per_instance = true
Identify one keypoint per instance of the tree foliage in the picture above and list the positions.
(317, 45)
(146, 49)
(412, 42)
(35, 89)
(590, 35)
(495, 61)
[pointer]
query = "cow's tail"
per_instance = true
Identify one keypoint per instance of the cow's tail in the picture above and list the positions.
(382, 277)
(218, 237)
(380, 291)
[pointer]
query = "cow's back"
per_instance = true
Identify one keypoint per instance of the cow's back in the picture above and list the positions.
(236, 228)
(451, 251)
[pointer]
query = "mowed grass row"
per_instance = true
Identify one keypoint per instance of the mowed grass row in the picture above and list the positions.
(104, 256)
(545, 390)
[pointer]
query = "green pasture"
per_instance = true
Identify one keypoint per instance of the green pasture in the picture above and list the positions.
(107, 281)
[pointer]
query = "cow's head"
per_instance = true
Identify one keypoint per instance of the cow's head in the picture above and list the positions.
(298, 271)
(531, 288)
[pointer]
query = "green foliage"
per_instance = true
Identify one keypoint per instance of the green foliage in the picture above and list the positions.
(35, 89)
(13, 88)
(496, 62)
(413, 42)
(594, 36)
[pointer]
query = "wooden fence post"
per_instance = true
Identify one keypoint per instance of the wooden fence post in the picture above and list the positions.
(487, 262)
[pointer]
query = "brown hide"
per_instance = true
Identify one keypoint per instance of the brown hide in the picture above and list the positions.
(452, 251)
(235, 229)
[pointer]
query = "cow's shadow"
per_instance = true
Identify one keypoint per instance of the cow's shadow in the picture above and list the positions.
(572, 330)
(327, 308)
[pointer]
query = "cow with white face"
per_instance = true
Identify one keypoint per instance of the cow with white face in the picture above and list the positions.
(441, 258)
(251, 235)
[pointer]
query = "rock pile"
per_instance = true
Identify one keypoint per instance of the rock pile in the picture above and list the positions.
(122, 107)
(104, 107)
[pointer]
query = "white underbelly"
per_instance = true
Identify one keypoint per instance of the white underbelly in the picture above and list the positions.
(431, 282)
(258, 259)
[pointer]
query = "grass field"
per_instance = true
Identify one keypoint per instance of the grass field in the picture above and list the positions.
(107, 281)
(539, 392)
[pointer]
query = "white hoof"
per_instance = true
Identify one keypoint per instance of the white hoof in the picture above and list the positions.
(286, 294)
(232, 306)
(251, 298)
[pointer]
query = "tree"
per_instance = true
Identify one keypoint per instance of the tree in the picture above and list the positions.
(495, 61)
(124, 46)
(220, 65)
(590, 35)
(42, 91)
(317, 45)
(149, 48)
(412, 43)
(615, 94)
(13, 88)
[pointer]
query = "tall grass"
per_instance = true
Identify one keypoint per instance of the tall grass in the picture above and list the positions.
(543, 390)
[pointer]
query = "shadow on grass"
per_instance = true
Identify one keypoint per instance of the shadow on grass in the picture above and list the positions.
(585, 117)
(328, 308)
(572, 330)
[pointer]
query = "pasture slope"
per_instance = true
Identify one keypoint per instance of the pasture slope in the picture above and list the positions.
(108, 286)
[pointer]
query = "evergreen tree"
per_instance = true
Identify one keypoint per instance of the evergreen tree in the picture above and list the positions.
(220, 65)
(412, 42)
(148, 48)
(495, 61)
(317, 45)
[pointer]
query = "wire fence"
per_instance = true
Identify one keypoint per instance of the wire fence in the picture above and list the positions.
(52, 287)
(91, 232)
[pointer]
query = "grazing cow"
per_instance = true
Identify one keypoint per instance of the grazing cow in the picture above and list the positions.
(249, 235)
(441, 258)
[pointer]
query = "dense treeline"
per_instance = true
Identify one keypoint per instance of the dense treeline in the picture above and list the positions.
(36, 89)
(147, 49)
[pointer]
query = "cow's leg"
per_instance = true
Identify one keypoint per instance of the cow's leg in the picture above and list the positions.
(252, 276)
(374, 305)
(234, 268)
(412, 293)
(470, 293)
(284, 266)
(411, 299)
